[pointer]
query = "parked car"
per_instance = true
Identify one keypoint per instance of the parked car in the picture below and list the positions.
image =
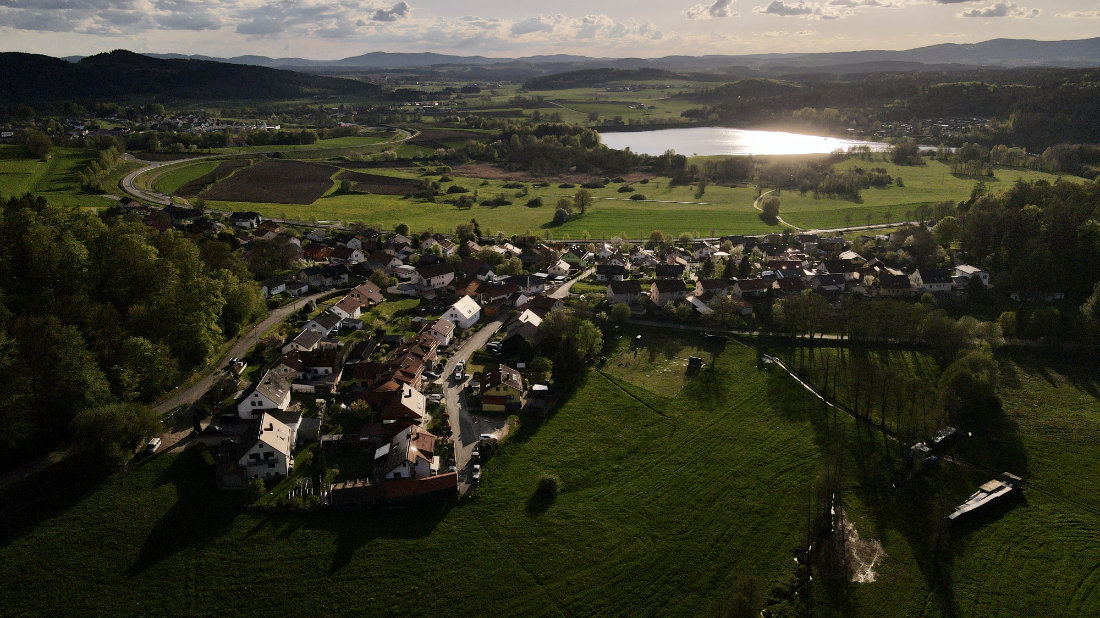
(475, 456)
(431, 374)
(487, 436)
(477, 473)
(435, 397)
(152, 446)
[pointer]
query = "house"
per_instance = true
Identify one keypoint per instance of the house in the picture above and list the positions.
(381, 260)
(964, 273)
(703, 250)
(442, 329)
(409, 404)
(316, 252)
(828, 283)
(669, 271)
(249, 220)
(610, 272)
(558, 269)
(476, 268)
(527, 284)
(319, 363)
(367, 294)
(297, 288)
(498, 292)
(788, 286)
(623, 292)
(347, 308)
(411, 454)
(665, 291)
(750, 288)
(502, 389)
(324, 323)
(347, 255)
(933, 280)
(303, 341)
(271, 392)
(890, 284)
(267, 451)
(273, 286)
(435, 276)
(464, 313)
(717, 287)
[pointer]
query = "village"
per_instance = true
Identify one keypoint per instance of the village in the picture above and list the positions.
(413, 404)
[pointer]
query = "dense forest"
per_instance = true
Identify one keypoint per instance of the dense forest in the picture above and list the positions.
(97, 312)
(1032, 108)
(122, 75)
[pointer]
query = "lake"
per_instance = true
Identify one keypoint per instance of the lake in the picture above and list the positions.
(725, 141)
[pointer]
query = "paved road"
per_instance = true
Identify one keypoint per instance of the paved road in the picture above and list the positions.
(193, 393)
(466, 430)
(127, 182)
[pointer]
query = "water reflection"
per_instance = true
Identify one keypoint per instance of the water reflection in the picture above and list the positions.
(725, 141)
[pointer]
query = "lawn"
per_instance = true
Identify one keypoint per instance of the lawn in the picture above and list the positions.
(176, 176)
(55, 179)
(627, 534)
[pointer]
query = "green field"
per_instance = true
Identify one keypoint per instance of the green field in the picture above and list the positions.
(672, 209)
(55, 180)
(666, 502)
(353, 141)
(175, 177)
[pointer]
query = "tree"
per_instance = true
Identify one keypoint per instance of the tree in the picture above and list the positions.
(620, 313)
(769, 208)
(656, 239)
(582, 199)
(539, 369)
(1090, 310)
(401, 229)
(968, 386)
(37, 143)
(345, 186)
(114, 431)
(561, 215)
(947, 231)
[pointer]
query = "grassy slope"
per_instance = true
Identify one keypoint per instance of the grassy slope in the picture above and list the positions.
(54, 180)
(661, 510)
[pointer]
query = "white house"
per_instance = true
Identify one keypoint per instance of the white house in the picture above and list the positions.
(435, 276)
(347, 308)
(623, 292)
(931, 280)
(411, 454)
(443, 330)
(464, 313)
(324, 323)
(270, 452)
(272, 392)
(303, 341)
(965, 272)
(559, 269)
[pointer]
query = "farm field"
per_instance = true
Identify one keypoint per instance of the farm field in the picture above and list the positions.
(55, 180)
(285, 182)
(353, 141)
(175, 177)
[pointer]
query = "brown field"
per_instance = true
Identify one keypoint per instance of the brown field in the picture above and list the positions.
(379, 185)
(367, 165)
(492, 172)
(225, 168)
(275, 182)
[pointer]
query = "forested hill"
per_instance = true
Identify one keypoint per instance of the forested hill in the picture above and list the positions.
(589, 78)
(119, 75)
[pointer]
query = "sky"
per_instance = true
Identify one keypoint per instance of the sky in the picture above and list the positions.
(332, 29)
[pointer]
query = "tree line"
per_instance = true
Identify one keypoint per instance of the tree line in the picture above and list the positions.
(97, 311)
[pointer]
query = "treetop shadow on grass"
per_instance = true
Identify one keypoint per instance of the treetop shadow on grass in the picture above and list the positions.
(201, 513)
(355, 530)
(48, 493)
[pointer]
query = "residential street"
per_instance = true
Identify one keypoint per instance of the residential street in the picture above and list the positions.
(191, 394)
(466, 430)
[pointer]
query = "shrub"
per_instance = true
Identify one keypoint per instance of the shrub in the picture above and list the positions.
(644, 181)
(512, 185)
(638, 197)
(626, 189)
(618, 179)
(534, 202)
(445, 178)
(457, 189)
(566, 185)
(549, 486)
(561, 215)
(592, 185)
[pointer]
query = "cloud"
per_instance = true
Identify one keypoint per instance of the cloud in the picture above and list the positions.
(532, 24)
(1080, 15)
(720, 8)
(398, 11)
(1001, 9)
(260, 26)
(189, 21)
(796, 9)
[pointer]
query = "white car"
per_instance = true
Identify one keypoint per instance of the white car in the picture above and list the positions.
(152, 446)
(477, 473)
(487, 436)
(435, 398)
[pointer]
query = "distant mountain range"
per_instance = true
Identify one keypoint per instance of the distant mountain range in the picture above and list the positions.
(1005, 53)
(122, 74)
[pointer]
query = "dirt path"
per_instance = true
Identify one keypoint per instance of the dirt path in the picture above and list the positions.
(756, 205)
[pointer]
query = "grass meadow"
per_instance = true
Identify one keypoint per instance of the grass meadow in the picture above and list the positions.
(669, 495)
(55, 179)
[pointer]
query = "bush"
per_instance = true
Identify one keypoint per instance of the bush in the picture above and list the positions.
(445, 178)
(457, 189)
(534, 202)
(626, 189)
(593, 185)
(512, 185)
(638, 197)
(549, 486)
(541, 184)
(566, 185)
(618, 179)
(561, 215)
(644, 181)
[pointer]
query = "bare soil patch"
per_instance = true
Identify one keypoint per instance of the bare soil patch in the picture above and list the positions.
(492, 172)
(275, 182)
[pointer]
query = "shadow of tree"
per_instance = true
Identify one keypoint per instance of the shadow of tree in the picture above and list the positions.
(45, 494)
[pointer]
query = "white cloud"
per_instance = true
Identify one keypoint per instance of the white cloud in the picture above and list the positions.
(1080, 15)
(720, 8)
(1001, 9)
(398, 11)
